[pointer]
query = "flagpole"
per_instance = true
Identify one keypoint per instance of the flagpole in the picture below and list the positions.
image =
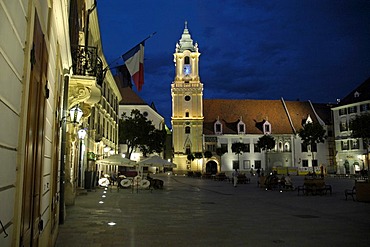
(149, 36)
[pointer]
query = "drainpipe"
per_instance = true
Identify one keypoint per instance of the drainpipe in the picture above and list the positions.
(63, 147)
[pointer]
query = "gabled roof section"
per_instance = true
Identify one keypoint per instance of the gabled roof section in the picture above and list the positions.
(359, 94)
(299, 111)
(129, 97)
(324, 112)
(253, 113)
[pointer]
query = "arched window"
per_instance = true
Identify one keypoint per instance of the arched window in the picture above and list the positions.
(187, 114)
(286, 147)
(187, 130)
(187, 60)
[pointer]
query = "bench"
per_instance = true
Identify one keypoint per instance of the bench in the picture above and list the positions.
(315, 190)
(325, 189)
(350, 192)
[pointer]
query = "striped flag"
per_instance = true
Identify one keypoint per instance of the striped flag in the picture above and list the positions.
(134, 60)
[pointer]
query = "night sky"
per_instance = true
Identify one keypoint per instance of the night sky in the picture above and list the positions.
(300, 50)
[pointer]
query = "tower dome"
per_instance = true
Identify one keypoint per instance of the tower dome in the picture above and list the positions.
(186, 42)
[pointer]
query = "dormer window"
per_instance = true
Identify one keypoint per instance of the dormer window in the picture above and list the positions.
(266, 128)
(356, 94)
(241, 127)
(218, 127)
(309, 119)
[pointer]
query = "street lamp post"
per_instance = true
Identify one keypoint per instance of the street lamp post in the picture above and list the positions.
(81, 137)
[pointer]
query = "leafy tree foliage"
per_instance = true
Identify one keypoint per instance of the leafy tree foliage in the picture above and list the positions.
(266, 142)
(190, 157)
(198, 155)
(239, 148)
(312, 133)
(137, 132)
(360, 127)
(207, 154)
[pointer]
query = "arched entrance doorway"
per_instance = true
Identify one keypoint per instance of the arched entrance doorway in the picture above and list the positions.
(211, 167)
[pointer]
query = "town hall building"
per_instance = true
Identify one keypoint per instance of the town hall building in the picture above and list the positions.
(200, 125)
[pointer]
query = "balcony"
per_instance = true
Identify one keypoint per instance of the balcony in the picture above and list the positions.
(86, 62)
(87, 79)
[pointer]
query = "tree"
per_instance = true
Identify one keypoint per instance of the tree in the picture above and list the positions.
(360, 127)
(311, 134)
(208, 154)
(154, 143)
(136, 131)
(266, 143)
(238, 148)
(221, 151)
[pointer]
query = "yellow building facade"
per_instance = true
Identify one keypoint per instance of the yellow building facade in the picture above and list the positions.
(187, 104)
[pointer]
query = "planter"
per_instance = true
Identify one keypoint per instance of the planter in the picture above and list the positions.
(362, 191)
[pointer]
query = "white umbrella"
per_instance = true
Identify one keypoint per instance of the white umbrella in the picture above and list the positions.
(117, 160)
(156, 161)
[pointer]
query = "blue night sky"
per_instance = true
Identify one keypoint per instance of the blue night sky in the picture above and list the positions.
(314, 50)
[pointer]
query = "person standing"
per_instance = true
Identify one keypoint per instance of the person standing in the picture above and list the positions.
(235, 177)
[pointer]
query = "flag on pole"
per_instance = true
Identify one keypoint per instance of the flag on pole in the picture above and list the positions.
(134, 60)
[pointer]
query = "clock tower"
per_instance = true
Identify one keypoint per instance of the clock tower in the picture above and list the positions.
(187, 105)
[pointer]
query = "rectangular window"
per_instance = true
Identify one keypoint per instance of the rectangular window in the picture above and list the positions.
(352, 109)
(257, 164)
(188, 151)
(211, 147)
(305, 163)
(364, 107)
(304, 147)
(343, 125)
(186, 114)
(241, 128)
(235, 164)
(344, 145)
(355, 144)
(314, 163)
(218, 128)
(342, 111)
(257, 149)
(314, 147)
(246, 164)
(246, 148)
(224, 148)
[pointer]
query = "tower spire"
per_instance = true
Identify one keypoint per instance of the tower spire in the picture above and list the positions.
(186, 42)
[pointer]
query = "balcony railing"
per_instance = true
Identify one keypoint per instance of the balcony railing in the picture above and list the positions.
(86, 62)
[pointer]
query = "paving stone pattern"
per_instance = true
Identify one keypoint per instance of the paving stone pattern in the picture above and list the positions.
(202, 212)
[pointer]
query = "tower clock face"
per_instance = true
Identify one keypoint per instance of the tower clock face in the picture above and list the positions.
(187, 69)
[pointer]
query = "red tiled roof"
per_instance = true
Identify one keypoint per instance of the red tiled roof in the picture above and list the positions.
(299, 112)
(254, 113)
(129, 97)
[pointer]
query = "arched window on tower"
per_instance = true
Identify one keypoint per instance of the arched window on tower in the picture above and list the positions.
(187, 60)
(186, 114)
(187, 130)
